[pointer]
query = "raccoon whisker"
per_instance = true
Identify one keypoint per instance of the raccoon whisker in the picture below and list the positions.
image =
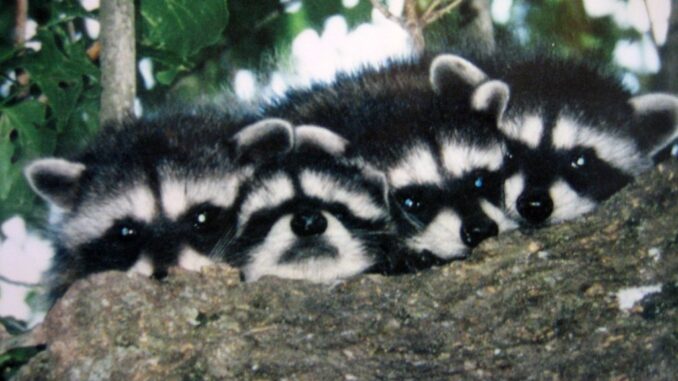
(221, 244)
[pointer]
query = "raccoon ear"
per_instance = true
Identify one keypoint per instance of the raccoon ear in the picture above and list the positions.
(55, 180)
(655, 124)
(262, 140)
(491, 97)
(448, 71)
(320, 137)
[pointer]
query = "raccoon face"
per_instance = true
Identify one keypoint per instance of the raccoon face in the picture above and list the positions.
(562, 167)
(447, 184)
(118, 210)
(312, 216)
(449, 198)
(575, 136)
(145, 228)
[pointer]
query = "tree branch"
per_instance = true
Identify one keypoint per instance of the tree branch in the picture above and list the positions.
(118, 60)
(20, 22)
(384, 11)
(18, 283)
(431, 17)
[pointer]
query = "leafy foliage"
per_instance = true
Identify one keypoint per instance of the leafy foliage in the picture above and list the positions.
(12, 360)
(50, 103)
(174, 32)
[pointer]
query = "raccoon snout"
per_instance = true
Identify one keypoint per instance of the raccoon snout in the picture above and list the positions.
(535, 206)
(474, 232)
(308, 223)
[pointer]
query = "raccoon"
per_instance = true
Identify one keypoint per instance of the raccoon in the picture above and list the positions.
(311, 215)
(435, 138)
(150, 193)
(575, 136)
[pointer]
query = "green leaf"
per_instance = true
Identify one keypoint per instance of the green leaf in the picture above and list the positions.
(15, 358)
(166, 77)
(182, 27)
(61, 72)
(21, 139)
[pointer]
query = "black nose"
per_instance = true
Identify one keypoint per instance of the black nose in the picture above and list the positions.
(535, 207)
(475, 231)
(308, 223)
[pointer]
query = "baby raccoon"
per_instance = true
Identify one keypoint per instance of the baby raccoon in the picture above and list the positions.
(433, 135)
(574, 134)
(311, 215)
(152, 193)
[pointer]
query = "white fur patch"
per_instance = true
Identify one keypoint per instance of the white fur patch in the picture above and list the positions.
(94, 218)
(265, 258)
(567, 204)
(460, 159)
(190, 259)
(614, 150)
(442, 237)
(528, 129)
(618, 152)
(565, 134)
(143, 266)
(418, 167)
(532, 131)
(269, 194)
(326, 188)
(504, 223)
(174, 200)
(513, 187)
(180, 195)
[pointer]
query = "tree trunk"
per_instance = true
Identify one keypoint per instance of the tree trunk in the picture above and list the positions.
(118, 60)
(477, 28)
(667, 79)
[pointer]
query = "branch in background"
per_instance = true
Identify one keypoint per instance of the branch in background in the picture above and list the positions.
(118, 60)
(19, 40)
(432, 14)
(18, 283)
(415, 21)
(667, 78)
(20, 22)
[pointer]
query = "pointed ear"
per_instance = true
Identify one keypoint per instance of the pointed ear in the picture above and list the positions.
(492, 98)
(655, 121)
(262, 140)
(449, 71)
(320, 138)
(55, 180)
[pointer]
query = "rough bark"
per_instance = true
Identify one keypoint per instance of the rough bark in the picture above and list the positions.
(118, 60)
(538, 305)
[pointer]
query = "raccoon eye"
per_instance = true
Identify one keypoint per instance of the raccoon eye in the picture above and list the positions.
(411, 204)
(207, 218)
(479, 182)
(508, 155)
(580, 160)
(126, 232)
